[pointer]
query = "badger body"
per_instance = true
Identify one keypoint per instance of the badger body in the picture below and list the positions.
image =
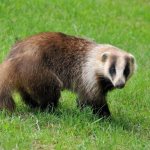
(40, 66)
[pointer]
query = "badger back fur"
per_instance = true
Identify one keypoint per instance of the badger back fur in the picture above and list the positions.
(40, 66)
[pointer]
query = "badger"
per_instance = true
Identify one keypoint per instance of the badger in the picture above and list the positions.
(41, 66)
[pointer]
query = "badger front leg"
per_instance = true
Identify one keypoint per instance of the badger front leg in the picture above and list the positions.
(99, 105)
(101, 109)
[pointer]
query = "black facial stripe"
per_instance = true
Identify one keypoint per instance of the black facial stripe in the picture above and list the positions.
(112, 69)
(126, 70)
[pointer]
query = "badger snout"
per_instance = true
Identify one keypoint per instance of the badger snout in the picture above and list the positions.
(119, 84)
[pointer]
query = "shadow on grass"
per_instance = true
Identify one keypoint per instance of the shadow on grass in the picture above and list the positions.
(74, 116)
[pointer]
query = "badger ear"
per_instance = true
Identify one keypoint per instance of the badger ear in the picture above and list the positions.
(132, 59)
(133, 62)
(104, 56)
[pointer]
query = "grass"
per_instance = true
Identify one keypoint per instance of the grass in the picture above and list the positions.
(122, 23)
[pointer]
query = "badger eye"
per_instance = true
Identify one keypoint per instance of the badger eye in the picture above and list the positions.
(112, 70)
(126, 70)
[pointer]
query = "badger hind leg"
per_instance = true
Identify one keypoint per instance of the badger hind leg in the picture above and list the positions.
(49, 96)
(45, 96)
(27, 98)
(51, 91)
(46, 90)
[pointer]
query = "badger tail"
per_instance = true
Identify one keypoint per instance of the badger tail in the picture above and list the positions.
(6, 100)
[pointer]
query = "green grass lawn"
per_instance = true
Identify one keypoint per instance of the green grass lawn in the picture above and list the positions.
(125, 24)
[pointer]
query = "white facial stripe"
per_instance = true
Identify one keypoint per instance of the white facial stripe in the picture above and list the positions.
(120, 66)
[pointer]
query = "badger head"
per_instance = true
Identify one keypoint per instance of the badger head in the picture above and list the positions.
(116, 66)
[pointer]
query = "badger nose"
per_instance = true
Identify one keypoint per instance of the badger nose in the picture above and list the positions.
(120, 84)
